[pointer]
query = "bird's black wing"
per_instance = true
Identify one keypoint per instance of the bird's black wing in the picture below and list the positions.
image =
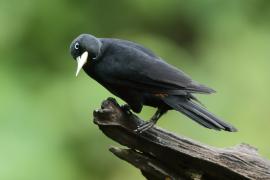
(132, 45)
(130, 66)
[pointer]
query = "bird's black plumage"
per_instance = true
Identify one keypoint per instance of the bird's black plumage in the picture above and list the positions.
(139, 77)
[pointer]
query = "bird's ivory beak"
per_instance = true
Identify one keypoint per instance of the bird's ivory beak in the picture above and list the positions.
(81, 60)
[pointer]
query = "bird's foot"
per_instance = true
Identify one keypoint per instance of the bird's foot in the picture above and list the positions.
(144, 127)
(126, 108)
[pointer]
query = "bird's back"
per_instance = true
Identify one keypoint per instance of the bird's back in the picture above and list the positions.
(138, 64)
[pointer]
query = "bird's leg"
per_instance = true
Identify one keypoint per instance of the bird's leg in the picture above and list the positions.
(152, 121)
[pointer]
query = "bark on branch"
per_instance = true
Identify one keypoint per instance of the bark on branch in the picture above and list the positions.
(163, 155)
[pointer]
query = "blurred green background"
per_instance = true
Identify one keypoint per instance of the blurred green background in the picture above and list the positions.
(46, 129)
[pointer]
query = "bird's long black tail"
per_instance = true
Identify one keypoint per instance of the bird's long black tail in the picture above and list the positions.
(197, 113)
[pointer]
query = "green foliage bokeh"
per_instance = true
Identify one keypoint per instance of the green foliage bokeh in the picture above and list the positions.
(46, 129)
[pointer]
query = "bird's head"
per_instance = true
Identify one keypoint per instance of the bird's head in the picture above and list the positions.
(85, 48)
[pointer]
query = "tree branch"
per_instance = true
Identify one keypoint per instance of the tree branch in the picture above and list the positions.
(162, 155)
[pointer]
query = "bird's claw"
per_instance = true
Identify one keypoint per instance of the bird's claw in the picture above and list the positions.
(144, 127)
(126, 108)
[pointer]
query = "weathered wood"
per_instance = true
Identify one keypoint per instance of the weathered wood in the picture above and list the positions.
(162, 155)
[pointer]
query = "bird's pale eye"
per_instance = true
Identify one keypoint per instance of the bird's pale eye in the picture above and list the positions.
(77, 45)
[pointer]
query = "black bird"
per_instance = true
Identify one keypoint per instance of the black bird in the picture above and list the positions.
(139, 77)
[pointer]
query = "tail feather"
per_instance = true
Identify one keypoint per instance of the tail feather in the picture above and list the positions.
(197, 113)
(197, 118)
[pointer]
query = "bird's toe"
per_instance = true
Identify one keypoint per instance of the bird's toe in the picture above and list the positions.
(126, 108)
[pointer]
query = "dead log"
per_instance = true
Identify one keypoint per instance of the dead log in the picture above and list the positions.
(163, 155)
